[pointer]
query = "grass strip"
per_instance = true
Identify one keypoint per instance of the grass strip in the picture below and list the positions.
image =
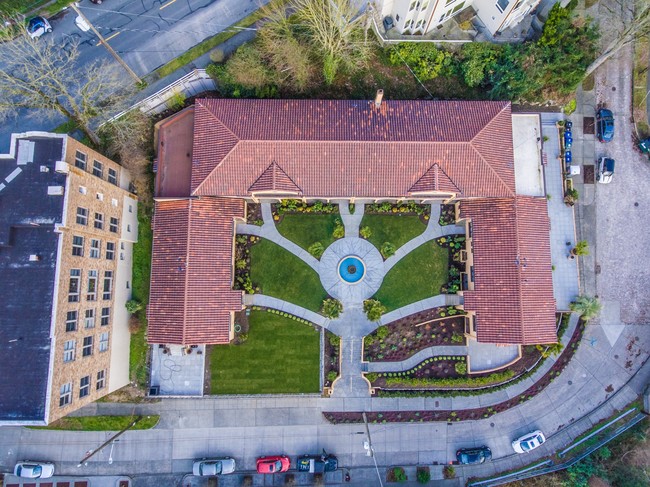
(99, 423)
(305, 230)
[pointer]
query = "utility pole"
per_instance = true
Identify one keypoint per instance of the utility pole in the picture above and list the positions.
(110, 440)
(107, 45)
(370, 448)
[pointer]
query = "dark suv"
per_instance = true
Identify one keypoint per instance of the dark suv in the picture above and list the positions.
(604, 125)
(471, 456)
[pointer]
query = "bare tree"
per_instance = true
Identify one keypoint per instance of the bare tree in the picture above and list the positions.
(334, 27)
(36, 74)
(633, 21)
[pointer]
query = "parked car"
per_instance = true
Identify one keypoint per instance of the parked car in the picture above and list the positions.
(82, 24)
(471, 456)
(604, 125)
(317, 463)
(528, 442)
(34, 470)
(605, 170)
(213, 466)
(37, 26)
(274, 464)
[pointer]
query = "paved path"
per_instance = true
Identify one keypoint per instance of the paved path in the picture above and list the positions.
(351, 221)
(428, 303)
(280, 304)
(433, 231)
(415, 359)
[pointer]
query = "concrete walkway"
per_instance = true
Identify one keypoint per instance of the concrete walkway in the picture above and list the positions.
(287, 307)
(351, 221)
(415, 359)
(433, 231)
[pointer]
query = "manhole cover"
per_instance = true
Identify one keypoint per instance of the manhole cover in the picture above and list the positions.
(588, 125)
(589, 173)
(597, 269)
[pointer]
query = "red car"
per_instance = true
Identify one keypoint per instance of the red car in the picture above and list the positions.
(276, 464)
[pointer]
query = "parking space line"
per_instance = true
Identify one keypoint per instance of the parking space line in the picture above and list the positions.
(106, 39)
(167, 5)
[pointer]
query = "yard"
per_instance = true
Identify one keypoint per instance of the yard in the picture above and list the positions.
(396, 229)
(306, 229)
(280, 355)
(282, 275)
(417, 276)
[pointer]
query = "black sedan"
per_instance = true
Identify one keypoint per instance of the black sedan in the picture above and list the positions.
(471, 456)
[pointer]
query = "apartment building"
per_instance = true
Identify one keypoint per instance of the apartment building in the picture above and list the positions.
(68, 223)
(419, 17)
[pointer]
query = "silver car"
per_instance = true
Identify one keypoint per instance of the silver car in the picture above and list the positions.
(34, 470)
(528, 442)
(213, 466)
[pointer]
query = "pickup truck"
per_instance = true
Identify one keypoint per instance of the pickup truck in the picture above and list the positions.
(317, 463)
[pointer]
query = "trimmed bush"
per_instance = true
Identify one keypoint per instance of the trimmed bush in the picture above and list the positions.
(373, 309)
(387, 249)
(332, 308)
(316, 249)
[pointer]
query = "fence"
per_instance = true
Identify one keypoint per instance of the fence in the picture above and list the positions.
(197, 81)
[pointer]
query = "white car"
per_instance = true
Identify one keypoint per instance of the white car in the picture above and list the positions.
(34, 470)
(605, 170)
(213, 466)
(38, 26)
(82, 24)
(528, 442)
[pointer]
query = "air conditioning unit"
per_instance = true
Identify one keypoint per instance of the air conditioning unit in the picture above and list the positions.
(45, 169)
(55, 190)
(34, 258)
(62, 167)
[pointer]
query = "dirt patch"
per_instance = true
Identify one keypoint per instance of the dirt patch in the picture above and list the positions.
(589, 172)
(254, 214)
(588, 125)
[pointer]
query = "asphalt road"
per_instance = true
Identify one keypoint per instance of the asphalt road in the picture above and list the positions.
(145, 33)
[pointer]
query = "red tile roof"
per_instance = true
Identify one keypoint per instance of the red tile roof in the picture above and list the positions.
(513, 295)
(191, 297)
(347, 148)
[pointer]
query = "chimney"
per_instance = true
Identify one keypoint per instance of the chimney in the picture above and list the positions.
(378, 98)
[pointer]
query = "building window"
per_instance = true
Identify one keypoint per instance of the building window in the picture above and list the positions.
(425, 5)
(98, 169)
(82, 216)
(78, 246)
(100, 196)
(99, 221)
(65, 394)
(502, 5)
(80, 160)
(130, 209)
(83, 190)
(95, 248)
(128, 227)
(113, 224)
(106, 316)
(87, 349)
(419, 24)
(68, 350)
(413, 5)
(90, 318)
(103, 342)
(112, 176)
(108, 285)
(84, 386)
(71, 321)
(449, 2)
(101, 379)
(91, 294)
(110, 250)
(73, 289)
(458, 7)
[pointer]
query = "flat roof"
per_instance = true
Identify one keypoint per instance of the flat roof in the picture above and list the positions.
(527, 146)
(27, 217)
(175, 139)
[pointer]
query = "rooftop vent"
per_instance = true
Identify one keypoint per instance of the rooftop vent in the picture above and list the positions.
(62, 167)
(55, 190)
(45, 169)
(34, 258)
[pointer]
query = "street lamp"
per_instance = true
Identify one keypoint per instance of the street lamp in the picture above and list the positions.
(370, 451)
(110, 455)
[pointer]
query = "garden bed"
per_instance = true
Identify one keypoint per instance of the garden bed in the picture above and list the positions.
(331, 358)
(407, 336)
(254, 214)
(466, 414)
(447, 215)
(436, 367)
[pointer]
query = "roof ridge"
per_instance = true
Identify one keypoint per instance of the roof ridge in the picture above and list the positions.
(187, 260)
(519, 264)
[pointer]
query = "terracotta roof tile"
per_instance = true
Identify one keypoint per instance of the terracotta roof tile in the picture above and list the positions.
(274, 179)
(434, 179)
(191, 274)
(513, 294)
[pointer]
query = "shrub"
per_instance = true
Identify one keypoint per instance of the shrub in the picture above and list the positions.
(365, 232)
(334, 340)
(581, 248)
(332, 375)
(382, 332)
(426, 60)
(461, 368)
(387, 249)
(372, 376)
(316, 249)
(396, 474)
(332, 308)
(241, 264)
(373, 309)
(586, 306)
(133, 306)
(570, 107)
(457, 338)
(423, 475)
(451, 382)
(449, 472)
(217, 56)
(339, 230)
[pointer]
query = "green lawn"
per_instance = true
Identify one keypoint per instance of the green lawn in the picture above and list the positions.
(417, 276)
(279, 356)
(100, 423)
(283, 275)
(306, 229)
(396, 229)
